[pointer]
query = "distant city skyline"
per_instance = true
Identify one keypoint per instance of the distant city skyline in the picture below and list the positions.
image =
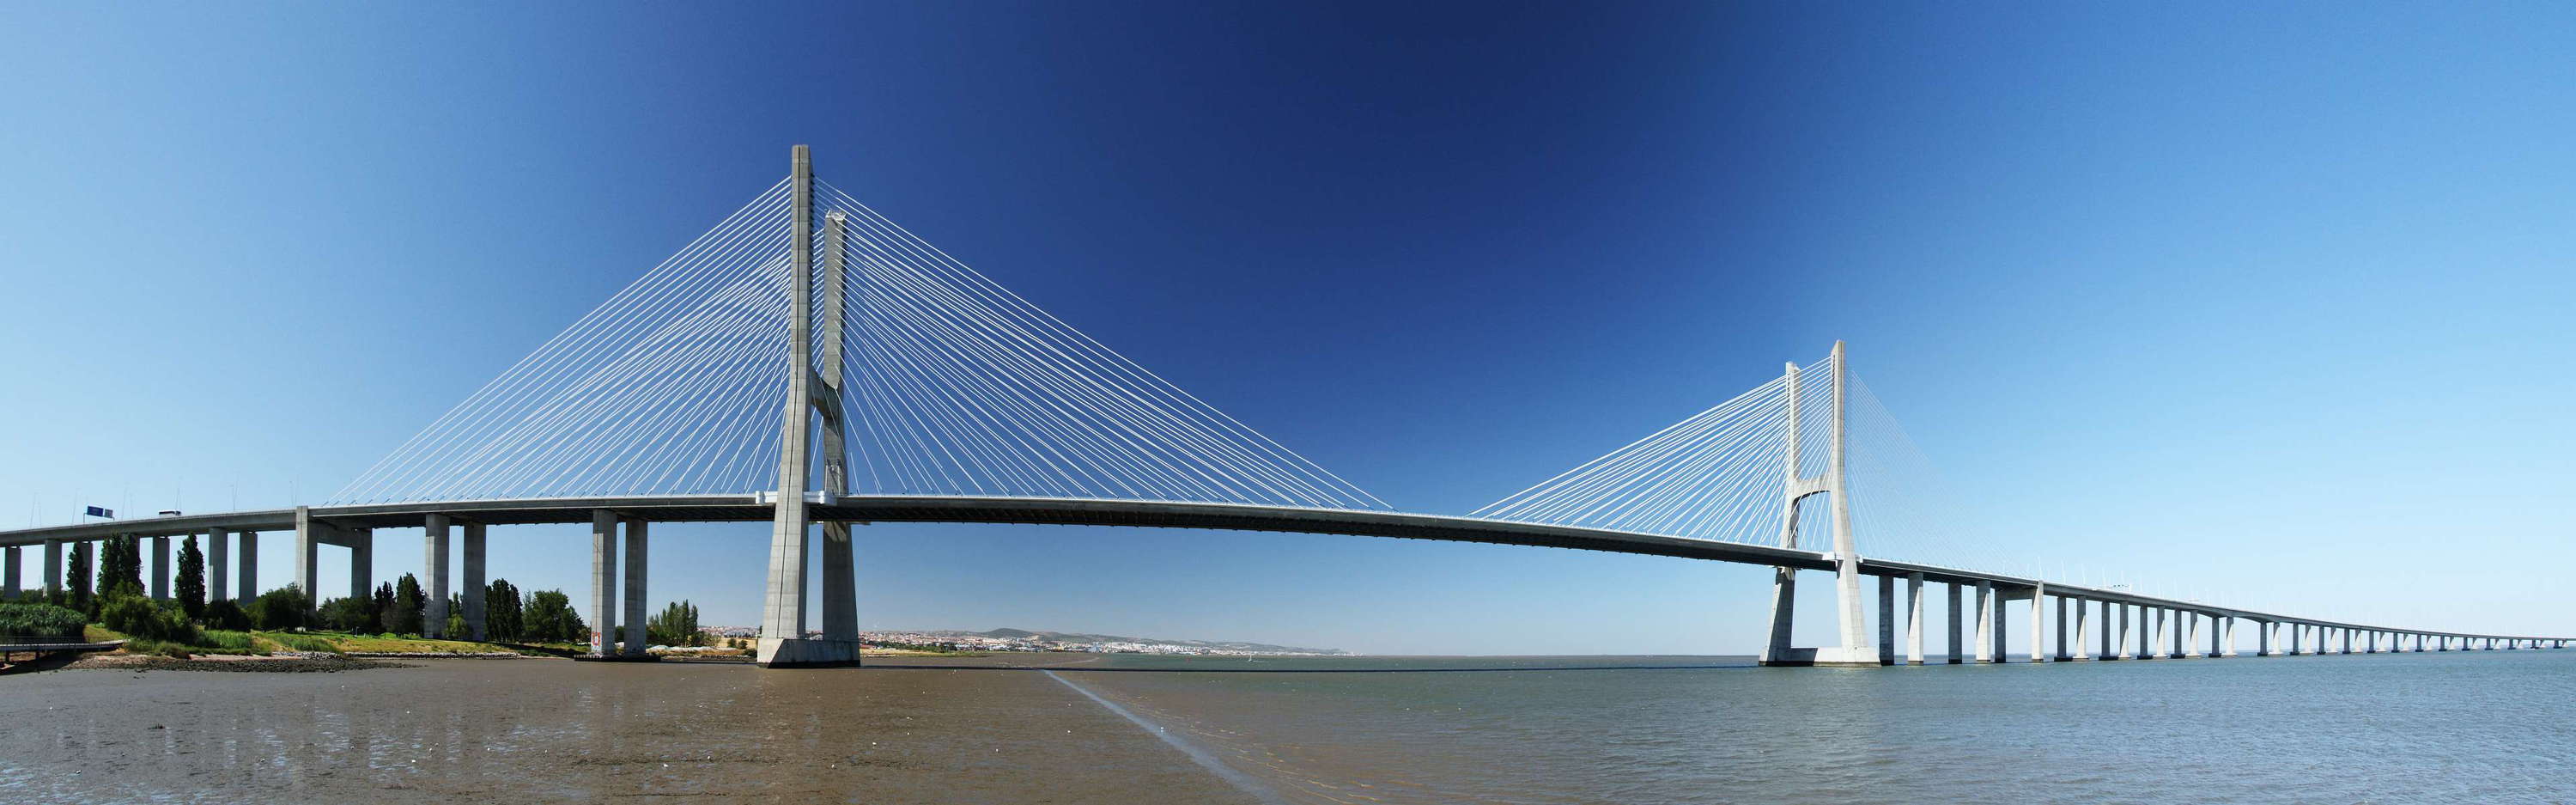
(2199, 300)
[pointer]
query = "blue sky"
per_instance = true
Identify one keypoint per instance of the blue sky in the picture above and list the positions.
(2260, 305)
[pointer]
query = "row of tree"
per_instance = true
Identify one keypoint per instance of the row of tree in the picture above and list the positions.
(396, 607)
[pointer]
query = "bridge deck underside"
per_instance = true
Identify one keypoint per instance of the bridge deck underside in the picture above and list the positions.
(1070, 511)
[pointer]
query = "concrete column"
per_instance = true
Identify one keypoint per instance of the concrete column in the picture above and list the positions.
(2038, 613)
(2163, 650)
(2065, 652)
(362, 560)
(2227, 638)
(433, 546)
(2083, 631)
(246, 567)
(308, 534)
(9, 571)
(636, 640)
(2262, 639)
(53, 566)
(603, 582)
(782, 616)
(1784, 609)
(161, 568)
(2347, 640)
(1996, 613)
(216, 552)
(1914, 619)
(1955, 631)
(2187, 627)
(1887, 620)
(474, 583)
(1986, 632)
(2124, 644)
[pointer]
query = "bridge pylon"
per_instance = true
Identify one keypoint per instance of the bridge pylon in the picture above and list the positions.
(813, 392)
(1856, 650)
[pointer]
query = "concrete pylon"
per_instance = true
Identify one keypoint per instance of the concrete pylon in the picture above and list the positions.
(216, 550)
(1855, 650)
(782, 625)
(9, 572)
(603, 583)
(1913, 619)
(433, 612)
(1887, 620)
(1987, 634)
(246, 568)
(474, 584)
(1955, 630)
(635, 596)
(53, 566)
(161, 568)
(2083, 631)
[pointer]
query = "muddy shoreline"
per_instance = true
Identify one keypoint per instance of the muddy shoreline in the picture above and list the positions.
(556, 730)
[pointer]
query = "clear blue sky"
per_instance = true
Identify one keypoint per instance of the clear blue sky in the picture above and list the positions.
(2263, 305)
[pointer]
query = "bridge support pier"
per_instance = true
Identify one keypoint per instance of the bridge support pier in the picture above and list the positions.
(1955, 630)
(9, 572)
(433, 611)
(2064, 652)
(216, 552)
(636, 542)
(2083, 631)
(1913, 617)
(2038, 606)
(1987, 614)
(160, 568)
(1887, 620)
(2188, 631)
(603, 583)
(53, 566)
(2226, 638)
(2262, 639)
(246, 568)
(782, 624)
(474, 583)
(310, 534)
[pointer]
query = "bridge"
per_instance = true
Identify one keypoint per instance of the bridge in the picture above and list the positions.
(811, 364)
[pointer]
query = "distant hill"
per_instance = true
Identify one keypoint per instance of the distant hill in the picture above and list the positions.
(1080, 637)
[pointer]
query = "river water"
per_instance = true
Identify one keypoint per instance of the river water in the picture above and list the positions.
(2487, 727)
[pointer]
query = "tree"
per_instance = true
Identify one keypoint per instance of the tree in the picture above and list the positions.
(382, 605)
(120, 566)
(404, 617)
(78, 573)
(502, 620)
(551, 619)
(456, 618)
(346, 614)
(280, 609)
(192, 578)
(677, 625)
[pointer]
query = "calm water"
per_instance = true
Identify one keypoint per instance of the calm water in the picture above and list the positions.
(2489, 727)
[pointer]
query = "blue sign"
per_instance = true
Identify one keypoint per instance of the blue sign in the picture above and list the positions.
(95, 511)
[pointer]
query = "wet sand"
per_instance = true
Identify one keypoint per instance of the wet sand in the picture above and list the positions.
(545, 729)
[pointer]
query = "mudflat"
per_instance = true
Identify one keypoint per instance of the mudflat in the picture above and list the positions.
(554, 730)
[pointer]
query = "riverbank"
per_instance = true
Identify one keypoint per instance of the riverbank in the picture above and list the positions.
(438, 730)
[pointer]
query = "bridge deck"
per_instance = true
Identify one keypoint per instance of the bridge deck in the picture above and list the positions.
(1161, 514)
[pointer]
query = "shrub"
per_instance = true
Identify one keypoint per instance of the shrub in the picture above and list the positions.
(226, 614)
(137, 616)
(42, 620)
(280, 609)
(353, 615)
(228, 642)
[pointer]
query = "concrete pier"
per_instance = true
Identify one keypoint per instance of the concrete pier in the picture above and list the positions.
(9, 572)
(160, 568)
(603, 583)
(2083, 631)
(474, 583)
(1887, 620)
(636, 639)
(2039, 648)
(216, 553)
(1956, 632)
(1914, 619)
(2064, 652)
(433, 613)
(1986, 614)
(2187, 630)
(246, 567)
(2227, 638)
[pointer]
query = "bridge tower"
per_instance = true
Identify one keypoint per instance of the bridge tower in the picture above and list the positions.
(813, 392)
(1855, 650)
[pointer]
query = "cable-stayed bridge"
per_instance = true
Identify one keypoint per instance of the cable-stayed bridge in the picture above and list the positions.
(810, 363)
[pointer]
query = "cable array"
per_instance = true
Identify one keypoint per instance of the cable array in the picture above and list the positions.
(951, 385)
(957, 386)
(1718, 475)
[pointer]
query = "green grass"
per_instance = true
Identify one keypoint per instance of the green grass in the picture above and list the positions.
(222, 641)
(291, 641)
